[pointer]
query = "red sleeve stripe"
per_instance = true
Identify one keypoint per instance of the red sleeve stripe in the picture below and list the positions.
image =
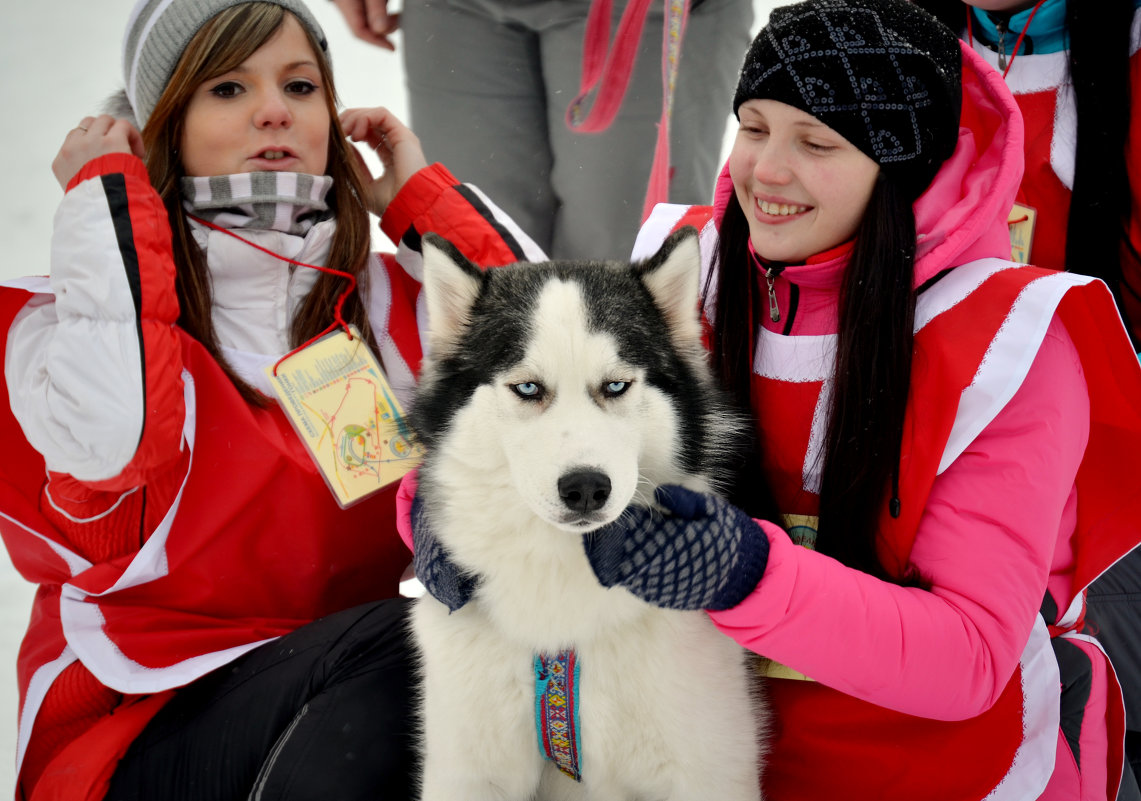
(481, 208)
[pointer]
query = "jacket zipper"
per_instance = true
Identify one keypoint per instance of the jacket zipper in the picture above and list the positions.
(1001, 26)
(770, 277)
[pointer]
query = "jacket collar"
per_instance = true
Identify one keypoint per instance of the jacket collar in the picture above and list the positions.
(271, 201)
(1044, 33)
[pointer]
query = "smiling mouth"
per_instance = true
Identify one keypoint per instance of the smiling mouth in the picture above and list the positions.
(781, 209)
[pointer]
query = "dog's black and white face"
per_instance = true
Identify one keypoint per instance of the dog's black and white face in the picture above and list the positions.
(578, 386)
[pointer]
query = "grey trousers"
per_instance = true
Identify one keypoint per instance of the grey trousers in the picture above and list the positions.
(489, 82)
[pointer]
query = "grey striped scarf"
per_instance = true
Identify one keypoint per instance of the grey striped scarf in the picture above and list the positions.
(279, 201)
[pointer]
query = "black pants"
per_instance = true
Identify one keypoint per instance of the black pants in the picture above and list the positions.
(322, 713)
(1114, 614)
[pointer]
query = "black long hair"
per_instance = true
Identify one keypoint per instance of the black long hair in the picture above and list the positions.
(1096, 233)
(1098, 43)
(871, 381)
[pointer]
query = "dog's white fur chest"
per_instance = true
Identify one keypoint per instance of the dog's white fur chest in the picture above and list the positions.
(663, 714)
(666, 706)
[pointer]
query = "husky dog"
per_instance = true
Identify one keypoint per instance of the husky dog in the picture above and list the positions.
(557, 394)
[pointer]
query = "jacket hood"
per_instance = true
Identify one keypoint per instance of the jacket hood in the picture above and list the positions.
(962, 215)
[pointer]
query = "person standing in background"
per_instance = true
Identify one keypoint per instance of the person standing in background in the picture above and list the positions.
(490, 83)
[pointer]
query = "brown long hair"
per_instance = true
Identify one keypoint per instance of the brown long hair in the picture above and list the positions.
(219, 46)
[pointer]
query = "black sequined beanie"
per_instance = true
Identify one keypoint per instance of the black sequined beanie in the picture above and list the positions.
(884, 74)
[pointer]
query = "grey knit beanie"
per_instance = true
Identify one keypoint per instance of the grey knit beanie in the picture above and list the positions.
(883, 73)
(159, 30)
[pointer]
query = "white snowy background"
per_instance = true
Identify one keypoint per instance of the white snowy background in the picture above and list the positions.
(60, 60)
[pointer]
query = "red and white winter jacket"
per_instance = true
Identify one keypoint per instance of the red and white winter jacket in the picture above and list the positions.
(170, 525)
(1018, 480)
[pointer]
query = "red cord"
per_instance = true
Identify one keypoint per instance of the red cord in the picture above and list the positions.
(338, 319)
(1018, 41)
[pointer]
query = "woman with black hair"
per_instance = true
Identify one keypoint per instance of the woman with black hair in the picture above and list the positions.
(942, 489)
(943, 437)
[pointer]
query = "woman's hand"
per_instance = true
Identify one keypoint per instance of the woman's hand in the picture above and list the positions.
(94, 137)
(398, 148)
(370, 20)
(693, 551)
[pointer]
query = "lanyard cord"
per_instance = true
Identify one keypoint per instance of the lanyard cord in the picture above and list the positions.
(606, 70)
(1017, 43)
(338, 319)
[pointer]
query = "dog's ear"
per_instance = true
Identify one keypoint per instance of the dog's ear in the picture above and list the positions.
(673, 276)
(451, 285)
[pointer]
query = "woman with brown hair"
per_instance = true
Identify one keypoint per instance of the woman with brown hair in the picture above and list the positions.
(212, 620)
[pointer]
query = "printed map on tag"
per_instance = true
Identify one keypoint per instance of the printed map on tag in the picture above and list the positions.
(1021, 222)
(343, 408)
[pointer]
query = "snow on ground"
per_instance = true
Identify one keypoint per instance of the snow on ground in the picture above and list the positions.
(60, 60)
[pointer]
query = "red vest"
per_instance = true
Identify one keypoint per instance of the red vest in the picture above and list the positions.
(253, 546)
(877, 754)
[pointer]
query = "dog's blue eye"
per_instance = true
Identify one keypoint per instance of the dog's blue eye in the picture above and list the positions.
(616, 388)
(528, 390)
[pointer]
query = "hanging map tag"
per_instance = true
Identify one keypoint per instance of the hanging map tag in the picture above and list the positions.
(802, 530)
(341, 405)
(1021, 224)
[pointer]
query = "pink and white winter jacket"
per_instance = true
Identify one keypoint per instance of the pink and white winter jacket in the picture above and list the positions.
(998, 526)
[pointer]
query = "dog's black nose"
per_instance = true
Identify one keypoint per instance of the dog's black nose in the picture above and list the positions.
(584, 490)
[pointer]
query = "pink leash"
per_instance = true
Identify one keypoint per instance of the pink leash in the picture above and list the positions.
(607, 66)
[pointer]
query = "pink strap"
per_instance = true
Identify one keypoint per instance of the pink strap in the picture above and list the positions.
(405, 494)
(604, 66)
(607, 68)
(677, 14)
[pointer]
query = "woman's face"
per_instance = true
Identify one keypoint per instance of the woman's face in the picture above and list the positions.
(803, 187)
(268, 114)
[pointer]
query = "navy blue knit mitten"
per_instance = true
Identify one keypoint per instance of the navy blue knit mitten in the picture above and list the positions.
(442, 577)
(700, 553)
